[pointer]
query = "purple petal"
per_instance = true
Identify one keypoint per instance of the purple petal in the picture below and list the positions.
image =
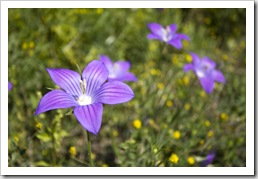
(188, 67)
(208, 62)
(156, 29)
(182, 37)
(90, 116)
(95, 75)
(195, 58)
(114, 92)
(107, 62)
(121, 66)
(218, 76)
(172, 28)
(66, 79)
(176, 43)
(55, 99)
(207, 84)
(153, 36)
(129, 77)
(9, 86)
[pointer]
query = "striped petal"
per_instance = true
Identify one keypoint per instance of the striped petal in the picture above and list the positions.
(66, 79)
(114, 92)
(90, 116)
(95, 75)
(55, 99)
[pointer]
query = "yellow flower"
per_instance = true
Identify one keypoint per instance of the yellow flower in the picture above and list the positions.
(201, 142)
(115, 133)
(225, 57)
(137, 123)
(72, 151)
(188, 58)
(160, 86)
(104, 165)
(207, 123)
(210, 133)
(187, 106)
(93, 156)
(224, 116)
(176, 134)
(191, 160)
(169, 103)
(16, 139)
(38, 125)
(99, 10)
(186, 80)
(24, 45)
(175, 60)
(173, 158)
(153, 72)
(203, 94)
(31, 44)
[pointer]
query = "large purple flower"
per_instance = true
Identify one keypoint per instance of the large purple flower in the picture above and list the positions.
(86, 94)
(9, 86)
(118, 71)
(167, 34)
(205, 70)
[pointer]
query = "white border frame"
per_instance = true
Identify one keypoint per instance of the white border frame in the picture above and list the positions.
(248, 170)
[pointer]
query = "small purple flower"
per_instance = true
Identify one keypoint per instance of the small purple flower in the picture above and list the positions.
(118, 71)
(209, 159)
(205, 70)
(86, 94)
(9, 86)
(167, 34)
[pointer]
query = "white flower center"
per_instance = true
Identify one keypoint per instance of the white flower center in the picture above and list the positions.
(84, 100)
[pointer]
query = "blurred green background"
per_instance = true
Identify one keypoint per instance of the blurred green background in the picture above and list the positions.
(171, 121)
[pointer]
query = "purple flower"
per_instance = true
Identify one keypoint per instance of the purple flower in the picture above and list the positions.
(118, 71)
(205, 70)
(86, 94)
(167, 34)
(209, 159)
(9, 86)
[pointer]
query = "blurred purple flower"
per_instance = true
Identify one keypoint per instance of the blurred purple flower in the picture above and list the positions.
(9, 86)
(86, 94)
(209, 159)
(167, 34)
(118, 71)
(205, 70)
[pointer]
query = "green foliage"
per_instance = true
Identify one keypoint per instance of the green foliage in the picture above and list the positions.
(177, 116)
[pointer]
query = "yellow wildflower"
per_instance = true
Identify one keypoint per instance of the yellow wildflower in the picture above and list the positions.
(173, 158)
(24, 45)
(72, 151)
(191, 160)
(31, 44)
(207, 123)
(16, 139)
(137, 123)
(201, 142)
(203, 94)
(99, 10)
(187, 106)
(186, 80)
(188, 58)
(176, 134)
(104, 165)
(210, 133)
(38, 125)
(225, 57)
(169, 103)
(224, 116)
(115, 133)
(160, 86)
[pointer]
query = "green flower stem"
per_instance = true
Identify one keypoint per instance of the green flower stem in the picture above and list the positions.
(89, 150)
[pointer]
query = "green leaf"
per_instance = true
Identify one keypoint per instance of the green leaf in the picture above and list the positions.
(43, 137)
(41, 164)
